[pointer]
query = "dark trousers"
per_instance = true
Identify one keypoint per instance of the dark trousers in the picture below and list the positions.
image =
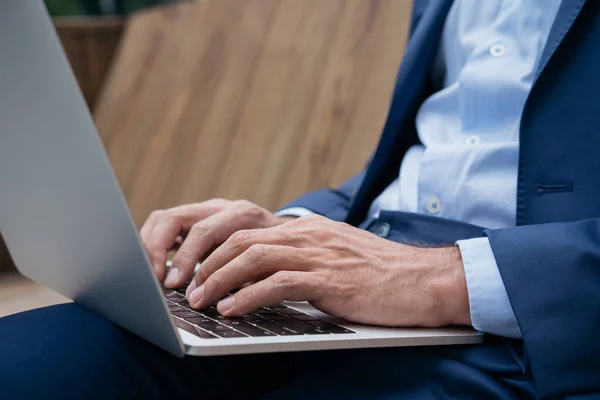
(67, 351)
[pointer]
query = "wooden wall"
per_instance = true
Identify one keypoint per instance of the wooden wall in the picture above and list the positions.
(257, 99)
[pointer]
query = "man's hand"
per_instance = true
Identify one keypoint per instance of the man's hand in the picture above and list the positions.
(204, 226)
(342, 270)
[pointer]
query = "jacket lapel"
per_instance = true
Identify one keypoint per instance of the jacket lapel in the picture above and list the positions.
(566, 15)
(410, 84)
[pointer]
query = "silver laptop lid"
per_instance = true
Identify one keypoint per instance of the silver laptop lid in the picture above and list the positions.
(62, 213)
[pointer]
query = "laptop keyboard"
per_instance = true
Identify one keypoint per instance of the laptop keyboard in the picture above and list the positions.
(275, 320)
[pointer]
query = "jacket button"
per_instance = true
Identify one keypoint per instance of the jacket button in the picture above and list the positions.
(382, 229)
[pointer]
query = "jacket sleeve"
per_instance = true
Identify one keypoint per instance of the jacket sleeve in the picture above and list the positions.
(552, 277)
(331, 203)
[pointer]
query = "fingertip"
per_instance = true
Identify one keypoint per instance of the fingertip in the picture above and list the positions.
(196, 297)
(172, 280)
(226, 306)
(190, 288)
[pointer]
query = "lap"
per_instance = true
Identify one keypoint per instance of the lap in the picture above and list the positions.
(70, 351)
(67, 350)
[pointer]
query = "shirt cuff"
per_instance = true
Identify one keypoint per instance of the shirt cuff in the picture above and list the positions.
(293, 212)
(490, 307)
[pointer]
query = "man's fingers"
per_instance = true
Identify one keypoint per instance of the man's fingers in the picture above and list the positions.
(158, 232)
(203, 236)
(163, 236)
(258, 262)
(149, 225)
(238, 243)
(281, 286)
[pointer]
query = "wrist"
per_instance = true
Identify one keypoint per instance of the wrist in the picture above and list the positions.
(450, 287)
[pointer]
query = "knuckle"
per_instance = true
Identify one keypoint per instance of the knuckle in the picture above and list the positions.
(312, 218)
(283, 280)
(257, 253)
(216, 203)
(201, 276)
(217, 200)
(243, 204)
(249, 210)
(182, 257)
(156, 214)
(240, 238)
(200, 228)
(217, 279)
(168, 219)
(248, 295)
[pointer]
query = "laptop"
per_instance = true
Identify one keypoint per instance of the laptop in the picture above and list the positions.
(67, 225)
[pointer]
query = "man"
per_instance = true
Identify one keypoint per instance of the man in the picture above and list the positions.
(491, 143)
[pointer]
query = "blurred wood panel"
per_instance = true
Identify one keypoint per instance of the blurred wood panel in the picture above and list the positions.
(256, 99)
(90, 44)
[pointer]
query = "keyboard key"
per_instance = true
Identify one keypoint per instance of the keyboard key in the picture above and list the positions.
(251, 330)
(220, 328)
(229, 334)
(193, 330)
(264, 311)
(210, 312)
(215, 327)
(329, 327)
(174, 296)
(231, 322)
(252, 317)
(210, 326)
(184, 303)
(322, 324)
(175, 308)
(186, 314)
(276, 306)
(306, 317)
(276, 328)
(303, 328)
(198, 320)
(278, 317)
(290, 311)
(205, 335)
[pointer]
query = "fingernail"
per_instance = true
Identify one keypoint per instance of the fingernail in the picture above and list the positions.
(226, 304)
(197, 294)
(190, 288)
(172, 277)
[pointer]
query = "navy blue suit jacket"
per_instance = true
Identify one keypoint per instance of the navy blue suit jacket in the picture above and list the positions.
(550, 262)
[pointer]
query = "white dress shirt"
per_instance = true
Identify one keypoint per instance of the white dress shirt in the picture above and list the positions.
(466, 169)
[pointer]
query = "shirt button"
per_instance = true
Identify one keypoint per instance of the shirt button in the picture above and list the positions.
(473, 140)
(382, 229)
(434, 205)
(497, 50)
